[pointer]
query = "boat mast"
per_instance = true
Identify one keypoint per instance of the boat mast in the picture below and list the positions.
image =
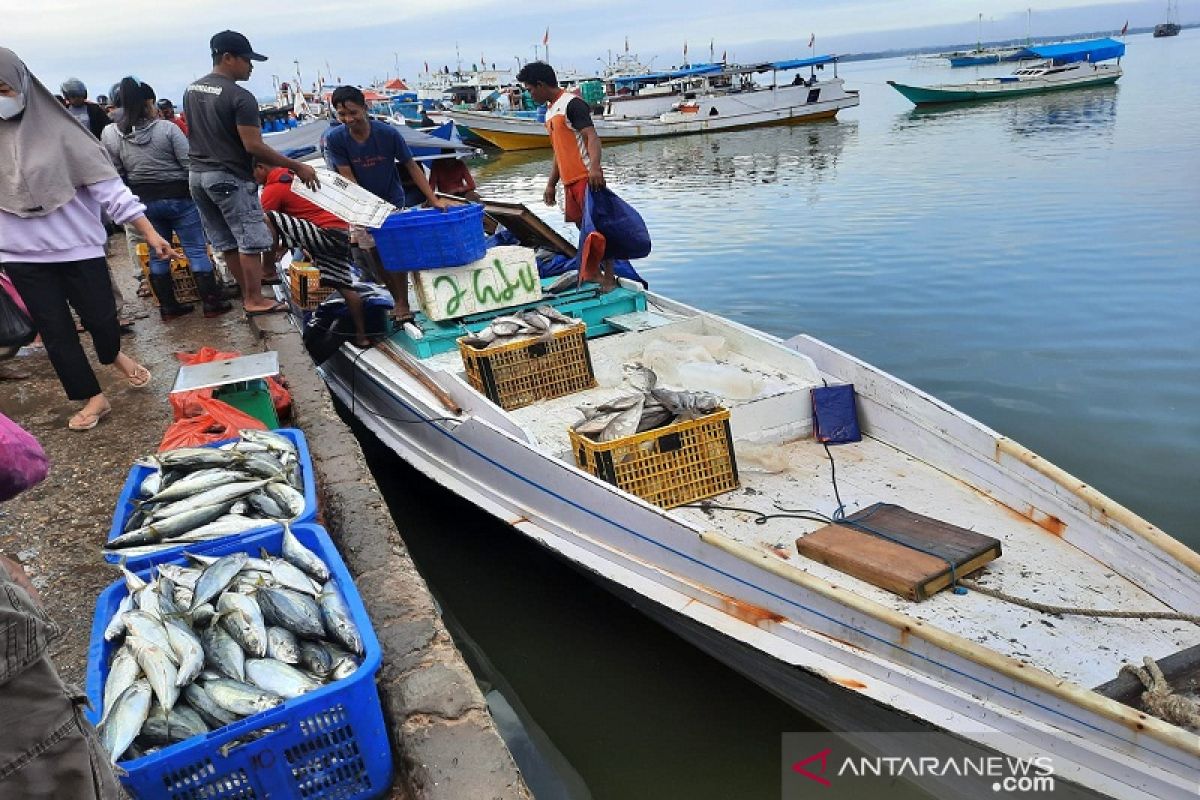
(979, 34)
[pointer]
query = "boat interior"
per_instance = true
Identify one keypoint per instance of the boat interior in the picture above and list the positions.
(786, 475)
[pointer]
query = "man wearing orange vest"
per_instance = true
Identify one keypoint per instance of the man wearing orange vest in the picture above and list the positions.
(576, 148)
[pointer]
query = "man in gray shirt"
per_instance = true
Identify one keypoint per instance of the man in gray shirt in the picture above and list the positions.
(225, 138)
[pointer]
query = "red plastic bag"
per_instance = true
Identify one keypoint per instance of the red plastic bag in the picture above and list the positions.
(184, 404)
(214, 422)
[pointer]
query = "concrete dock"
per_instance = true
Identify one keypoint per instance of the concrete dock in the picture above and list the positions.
(445, 743)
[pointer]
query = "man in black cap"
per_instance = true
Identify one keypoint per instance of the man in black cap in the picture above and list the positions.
(225, 137)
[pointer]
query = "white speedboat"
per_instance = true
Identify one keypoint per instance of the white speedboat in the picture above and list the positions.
(729, 575)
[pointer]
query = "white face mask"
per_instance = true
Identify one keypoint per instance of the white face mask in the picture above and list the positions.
(12, 106)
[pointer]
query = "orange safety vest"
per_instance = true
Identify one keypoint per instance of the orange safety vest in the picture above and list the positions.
(570, 149)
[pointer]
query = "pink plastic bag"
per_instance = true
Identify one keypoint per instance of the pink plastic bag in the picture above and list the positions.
(24, 464)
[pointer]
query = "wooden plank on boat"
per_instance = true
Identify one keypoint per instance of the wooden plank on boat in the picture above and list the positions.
(913, 560)
(530, 229)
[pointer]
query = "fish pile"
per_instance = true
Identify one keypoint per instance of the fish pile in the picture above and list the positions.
(538, 322)
(195, 494)
(650, 407)
(205, 645)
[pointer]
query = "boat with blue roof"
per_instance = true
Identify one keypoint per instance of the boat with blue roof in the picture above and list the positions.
(1070, 65)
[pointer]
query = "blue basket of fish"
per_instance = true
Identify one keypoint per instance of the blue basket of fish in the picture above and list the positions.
(270, 690)
(192, 497)
(429, 238)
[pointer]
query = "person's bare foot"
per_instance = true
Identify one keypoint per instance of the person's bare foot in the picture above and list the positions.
(90, 415)
(137, 375)
(264, 306)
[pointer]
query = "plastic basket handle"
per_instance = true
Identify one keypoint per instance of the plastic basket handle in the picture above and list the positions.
(235, 731)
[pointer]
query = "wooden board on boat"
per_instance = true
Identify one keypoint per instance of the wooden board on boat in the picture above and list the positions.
(912, 558)
(529, 229)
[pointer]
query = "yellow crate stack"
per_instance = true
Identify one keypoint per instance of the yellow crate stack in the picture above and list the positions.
(528, 370)
(186, 290)
(305, 282)
(668, 466)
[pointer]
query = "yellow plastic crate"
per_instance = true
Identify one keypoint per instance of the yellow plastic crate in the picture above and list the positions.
(668, 466)
(305, 282)
(525, 371)
(186, 290)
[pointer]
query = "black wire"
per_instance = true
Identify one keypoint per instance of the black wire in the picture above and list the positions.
(354, 397)
(759, 517)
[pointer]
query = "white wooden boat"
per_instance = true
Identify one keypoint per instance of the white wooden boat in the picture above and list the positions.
(853, 656)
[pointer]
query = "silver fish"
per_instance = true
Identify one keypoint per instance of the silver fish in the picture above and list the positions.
(116, 625)
(279, 678)
(193, 458)
(315, 658)
(554, 315)
(289, 576)
(221, 494)
(202, 615)
(188, 648)
(217, 576)
(262, 465)
(687, 405)
(212, 714)
(302, 557)
(150, 629)
(625, 423)
(480, 339)
(132, 582)
(594, 425)
(181, 724)
(243, 620)
(282, 645)
(336, 616)
(654, 417)
(269, 439)
(150, 484)
(297, 612)
(126, 718)
(195, 484)
(287, 497)
(242, 446)
(639, 377)
(344, 664)
(569, 280)
(181, 576)
(239, 697)
(122, 672)
(217, 529)
(265, 505)
(159, 670)
(158, 528)
(538, 323)
(507, 328)
(222, 653)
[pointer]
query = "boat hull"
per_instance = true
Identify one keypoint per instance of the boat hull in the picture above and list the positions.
(933, 95)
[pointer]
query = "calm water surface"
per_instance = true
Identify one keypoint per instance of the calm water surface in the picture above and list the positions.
(1035, 262)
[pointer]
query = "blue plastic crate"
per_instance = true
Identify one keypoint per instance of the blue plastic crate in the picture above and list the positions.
(429, 238)
(138, 473)
(332, 743)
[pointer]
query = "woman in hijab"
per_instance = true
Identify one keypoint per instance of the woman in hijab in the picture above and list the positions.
(56, 179)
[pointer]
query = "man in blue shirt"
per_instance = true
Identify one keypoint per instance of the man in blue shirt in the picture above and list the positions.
(367, 152)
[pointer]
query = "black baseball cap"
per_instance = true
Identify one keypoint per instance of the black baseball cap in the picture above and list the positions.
(233, 43)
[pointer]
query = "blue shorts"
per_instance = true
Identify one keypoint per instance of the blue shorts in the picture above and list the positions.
(230, 211)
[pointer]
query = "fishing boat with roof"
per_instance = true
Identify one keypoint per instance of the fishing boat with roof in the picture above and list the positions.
(700, 99)
(1071, 65)
(928, 573)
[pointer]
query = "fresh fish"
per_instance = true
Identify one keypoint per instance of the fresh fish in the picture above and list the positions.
(538, 323)
(150, 484)
(217, 576)
(171, 527)
(554, 315)
(279, 678)
(344, 664)
(568, 280)
(507, 327)
(213, 715)
(132, 582)
(687, 405)
(188, 648)
(181, 576)
(220, 495)
(149, 629)
(239, 697)
(202, 614)
(480, 339)
(240, 507)
(222, 653)
(263, 465)
(122, 672)
(315, 658)
(302, 557)
(625, 423)
(639, 377)
(243, 620)
(269, 439)
(217, 529)
(242, 446)
(194, 458)
(654, 417)
(137, 518)
(295, 476)
(126, 718)
(166, 599)
(289, 576)
(195, 484)
(183, 596)
(282, 645)
(116, 625)
(593, 426)
(297, 612)
(336, 616)
(162, 728)
(265, 505)
(148, 599)
(287, 497)
(159, 669)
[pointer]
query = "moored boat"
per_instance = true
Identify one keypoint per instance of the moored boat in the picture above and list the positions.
(729, 576)
(1171, 26)
(1063, 66)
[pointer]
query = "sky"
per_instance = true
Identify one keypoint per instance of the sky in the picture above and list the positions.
(359, 42)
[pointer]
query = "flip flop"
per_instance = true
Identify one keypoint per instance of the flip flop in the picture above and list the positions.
(403, 319)
(279, 308)
(140, 378)
(88, 421)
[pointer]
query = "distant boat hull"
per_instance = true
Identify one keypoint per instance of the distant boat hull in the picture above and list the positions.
(987, 90)
(983, 57)
(1164, 29)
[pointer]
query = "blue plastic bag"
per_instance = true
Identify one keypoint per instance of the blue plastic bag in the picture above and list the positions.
(622, 226)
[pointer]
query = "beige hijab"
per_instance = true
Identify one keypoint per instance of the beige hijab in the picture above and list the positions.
(45, 155)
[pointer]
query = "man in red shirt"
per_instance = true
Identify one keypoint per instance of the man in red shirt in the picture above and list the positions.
(166, 110)
(449, 175)
(300, 223)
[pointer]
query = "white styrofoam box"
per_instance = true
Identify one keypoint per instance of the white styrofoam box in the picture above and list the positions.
(507, 276)
(346, 200)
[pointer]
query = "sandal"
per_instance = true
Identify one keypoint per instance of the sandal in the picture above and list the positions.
(140, 378)
(280, 307)
(87, 421)
(404, 319)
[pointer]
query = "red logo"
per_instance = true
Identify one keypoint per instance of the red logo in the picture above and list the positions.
(823, 757)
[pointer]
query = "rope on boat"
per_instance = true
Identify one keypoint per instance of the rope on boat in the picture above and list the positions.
(1046, 608)
(1160, 699)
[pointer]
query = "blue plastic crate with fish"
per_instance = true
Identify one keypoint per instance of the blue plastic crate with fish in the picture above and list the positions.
(429, 238)
(329, 743)
(139, 472)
